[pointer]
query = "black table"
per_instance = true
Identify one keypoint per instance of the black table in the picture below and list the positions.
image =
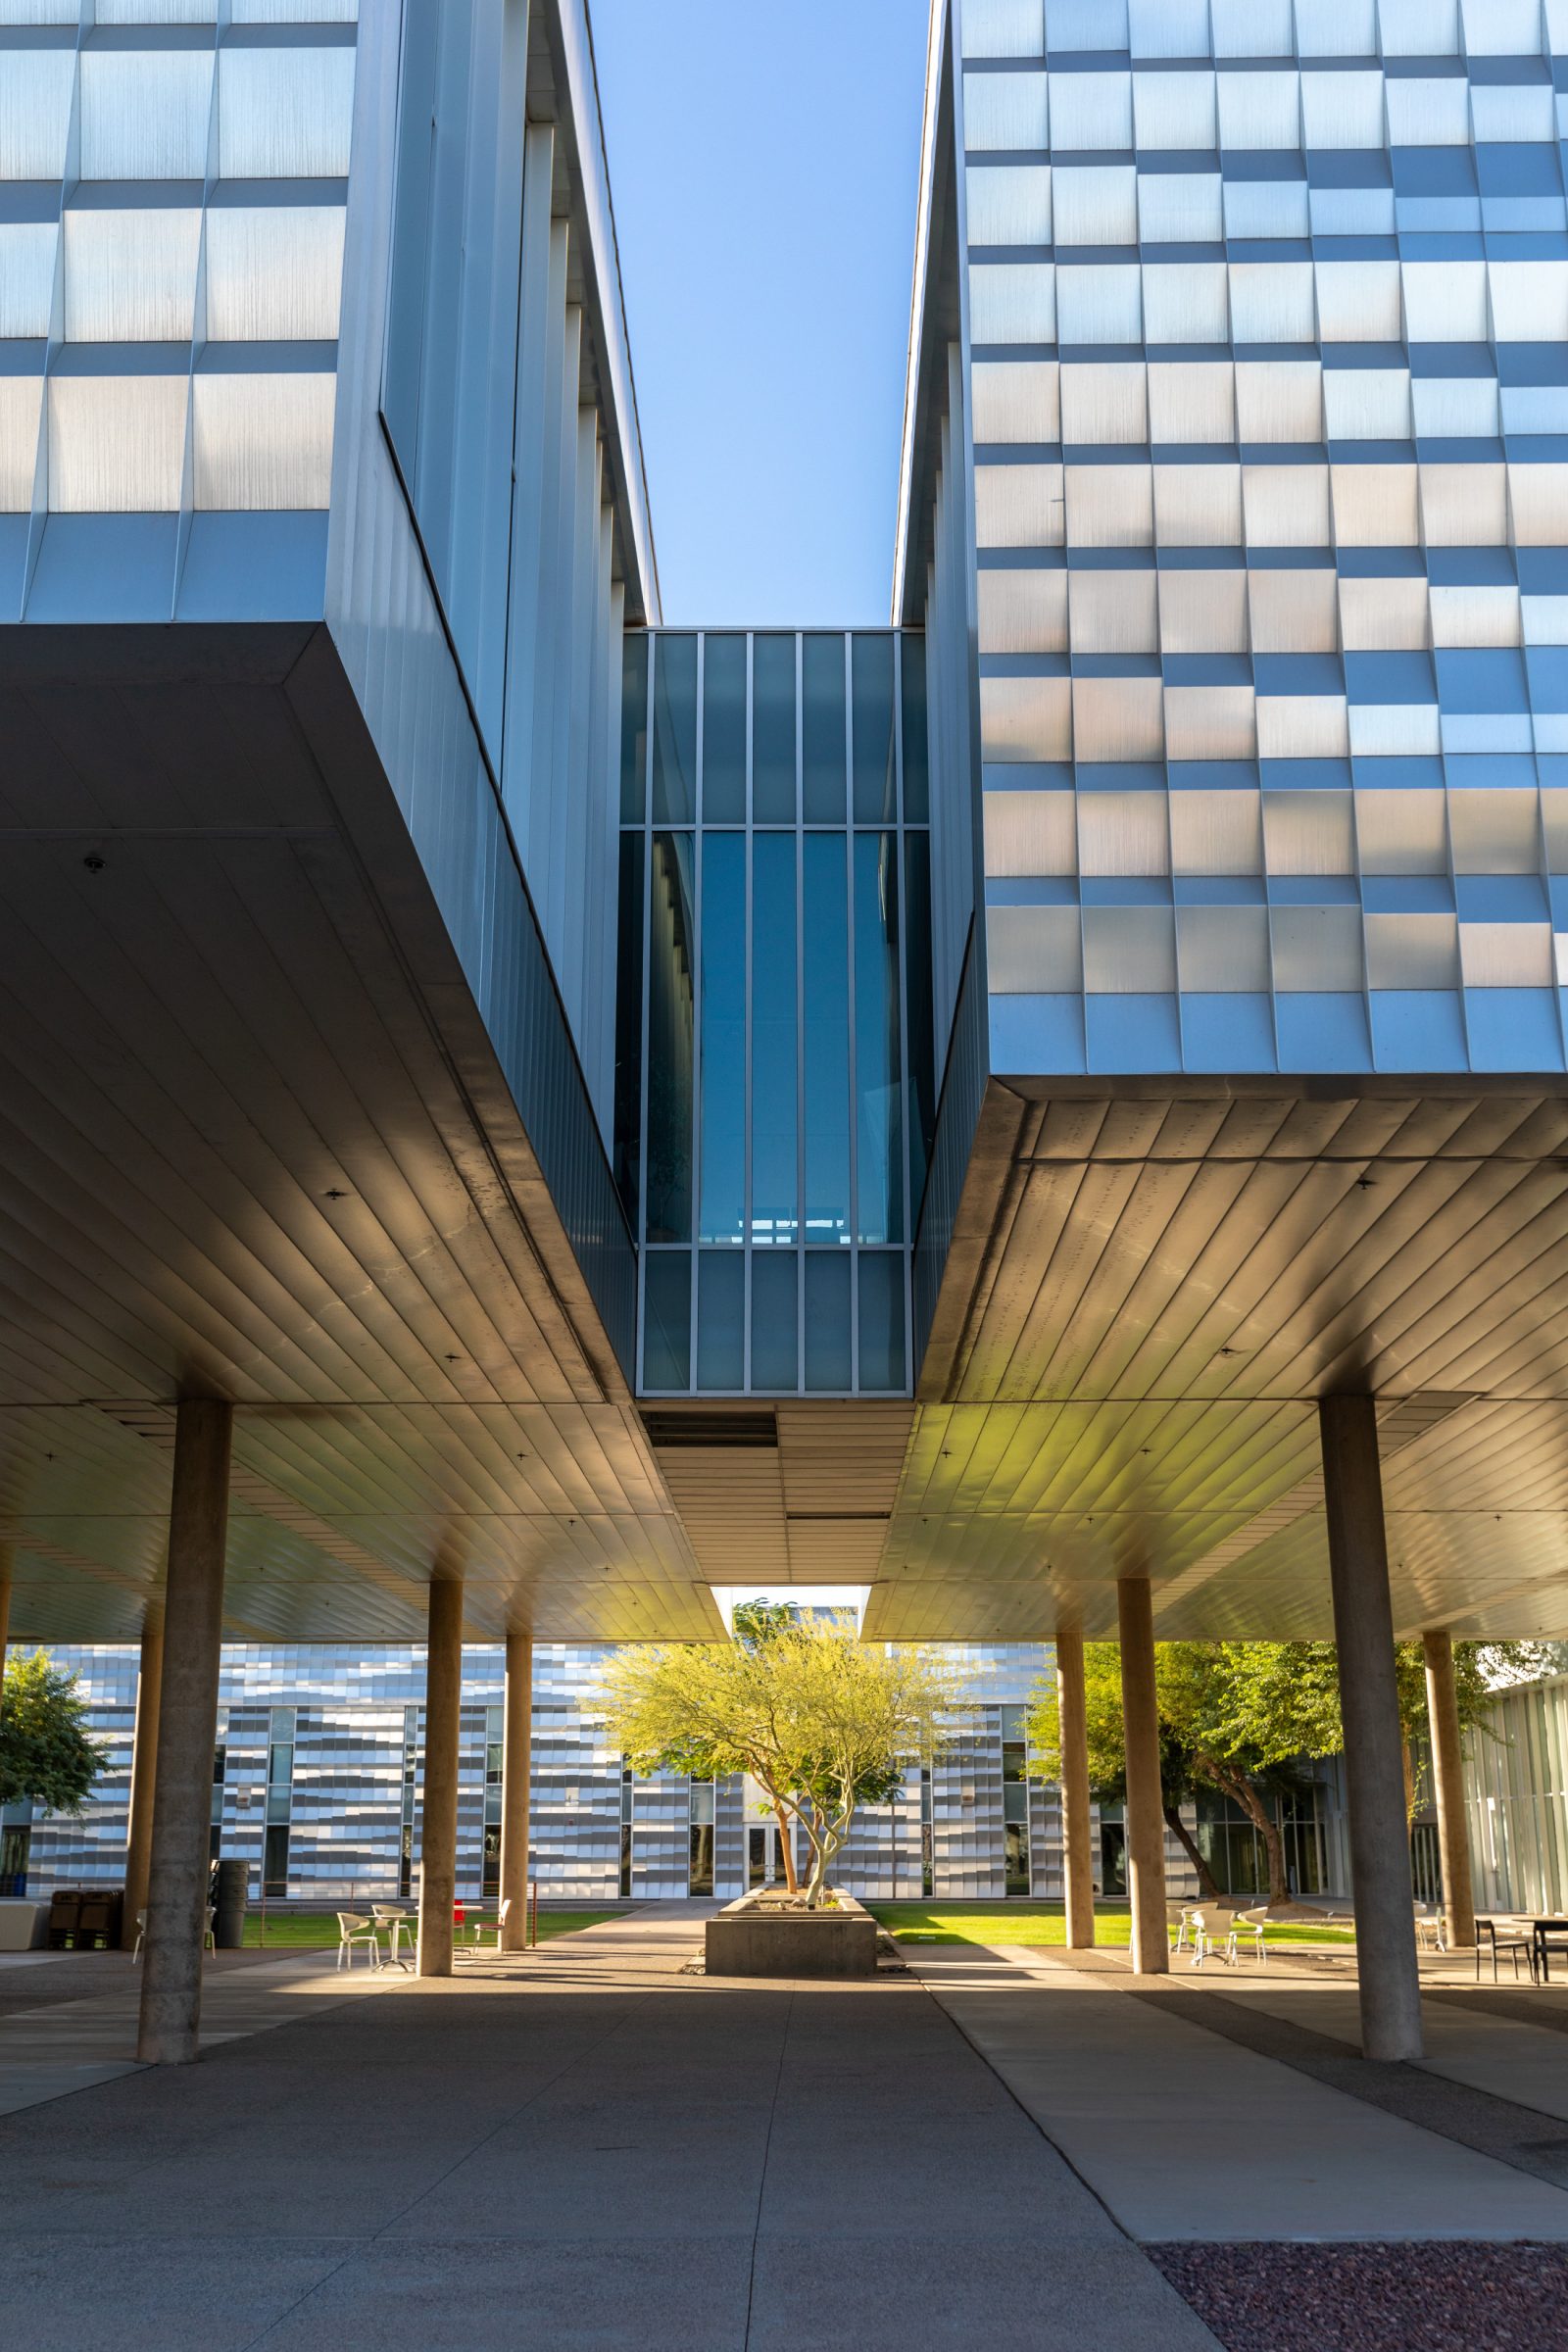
(1542, 1929)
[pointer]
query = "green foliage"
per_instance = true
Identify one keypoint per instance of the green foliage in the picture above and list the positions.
(1234, 1716)
(823, 1722)
(45, 1753)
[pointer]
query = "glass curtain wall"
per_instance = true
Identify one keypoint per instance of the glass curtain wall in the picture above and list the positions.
(774, 1095)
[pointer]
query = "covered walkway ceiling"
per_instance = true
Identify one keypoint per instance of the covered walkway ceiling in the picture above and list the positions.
(255, 1143)
(1146, 1296)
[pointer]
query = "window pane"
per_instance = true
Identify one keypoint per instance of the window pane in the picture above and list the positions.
(878, 1079)
(720, 1319)
(875, 798)
(667, 1319)
(775, 1209)
(881, 1276)
(724, 731)
(629, 1024)
(827, 1041)
(916, 787)
(917, 952)
(775, 1320)
(633, 728)
(723, 1038)
(671, 956)
(828, 1319)
(822, 730)
(773, 730)
(674, 730)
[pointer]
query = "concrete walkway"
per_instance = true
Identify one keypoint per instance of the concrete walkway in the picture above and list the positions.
(577, 2147)
(1186, 2133)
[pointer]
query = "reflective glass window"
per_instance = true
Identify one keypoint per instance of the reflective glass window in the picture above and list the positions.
(916, 784)
(724, 731)
(827, 1040)
(667, 1319)
(675, 731)
(828, 1319)
(822, 730)
(922, 1108)
(775, 1210)
(629, 1024)
(773, 730)
(775, 1320)
(875, 786)
(720, 1319)
(878, 1075)
(671, 958)
(722, 1205)
(881, 1279)
(633, 727)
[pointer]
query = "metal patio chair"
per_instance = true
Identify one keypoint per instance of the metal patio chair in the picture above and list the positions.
(354, 1930)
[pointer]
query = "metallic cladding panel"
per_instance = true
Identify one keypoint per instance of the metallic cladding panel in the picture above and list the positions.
(1270, 536)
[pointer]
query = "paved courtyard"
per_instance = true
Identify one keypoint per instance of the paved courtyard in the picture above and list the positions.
(584, 2146)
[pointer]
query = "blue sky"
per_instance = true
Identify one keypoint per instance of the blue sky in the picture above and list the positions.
(764, 160)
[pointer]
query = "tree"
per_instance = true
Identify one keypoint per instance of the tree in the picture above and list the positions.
(822, 1721)
(1236, 1716)
(45, 1753)
(753, 1622)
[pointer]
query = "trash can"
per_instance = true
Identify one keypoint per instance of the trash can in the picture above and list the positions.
(64, 1913)
(98, 1920)
(234, 1886)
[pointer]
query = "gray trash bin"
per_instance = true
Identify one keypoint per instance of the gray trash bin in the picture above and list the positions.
(233, 1885)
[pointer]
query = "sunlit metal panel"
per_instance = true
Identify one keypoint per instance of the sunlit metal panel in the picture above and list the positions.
(1015, 400)
(1343, 109)
(1032, 833)
(1538, 501)
(1259, 110)
(1475, 616)
(1022, 611)
(1100, 305)
(1293, 611)
(1191, 400)
(1180, 207)
(1009, 204)
(1382, 615)
(1303, 726)
(1216, 833)
(36, 92)
(1003, 29)
(1376, 506)
(1367, 404)
(294, 12)
(1506, 954)
(1091, 111)
(1018, 506)
(26, 277)
(1279, 400)
(284, 114)
(1403, 832)
(1129, 951)
(1210, 722)
(1198, 505)
(1212, 623)
(274, 272)
(1009, 112)
(1288, 506)
(130, 276)
(1412, 951)
(1494, 832)
(1186, 303)
(1034, 951)
(1025, 719)
(1173, 111)
(1012, 302)
(117, 444)
(20, 409)
(1252, 28)
(145, 113)
(1223, 948)
(1104, 402)
(1529, 301)
(1308, 833)
(262, 441)
(1419, 27)
(1123, 833)
(1109, 505)
(1271, 302)
(1113, 612)
(1096, 204)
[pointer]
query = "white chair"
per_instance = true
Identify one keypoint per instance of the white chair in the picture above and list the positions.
(354, 1929)
(1202, 1943)
(141, 1930)
(1183, 1928)
(482, 1928)
(1429, 1929)
(1246, 1923)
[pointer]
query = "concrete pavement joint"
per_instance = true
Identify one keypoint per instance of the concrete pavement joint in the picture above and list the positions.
(761, 2179)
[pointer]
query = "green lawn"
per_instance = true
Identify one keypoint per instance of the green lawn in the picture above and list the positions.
(300, 1931)
(1042, 1924)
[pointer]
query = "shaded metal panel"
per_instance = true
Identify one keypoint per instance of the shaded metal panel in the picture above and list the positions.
(262, 441)
(274, 272)
(130, 276)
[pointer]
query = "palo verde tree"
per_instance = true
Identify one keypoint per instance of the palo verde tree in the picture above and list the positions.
(1238, 1717)
(46, 1756)
(823, 1722)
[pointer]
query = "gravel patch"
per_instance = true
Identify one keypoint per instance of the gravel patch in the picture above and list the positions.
(1456, 2296)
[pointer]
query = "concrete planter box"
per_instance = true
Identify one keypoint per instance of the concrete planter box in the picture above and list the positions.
(756, 1938)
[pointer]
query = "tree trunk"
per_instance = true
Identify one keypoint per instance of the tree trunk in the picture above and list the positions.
(1206, 1886)
(1269, 1828)
(786, 1846)
(1407, 1758)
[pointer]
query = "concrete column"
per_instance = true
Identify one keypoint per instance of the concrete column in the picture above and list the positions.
(143, 1774)
(1077, 1865)
(5, 1606)
(1447, 1774)
(1146, 1814)
(1374, 1765)
(187, 1729)
(438, 1815)
(516, 1759)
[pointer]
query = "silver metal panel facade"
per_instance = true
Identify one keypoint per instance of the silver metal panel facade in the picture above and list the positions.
(1263, 328)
